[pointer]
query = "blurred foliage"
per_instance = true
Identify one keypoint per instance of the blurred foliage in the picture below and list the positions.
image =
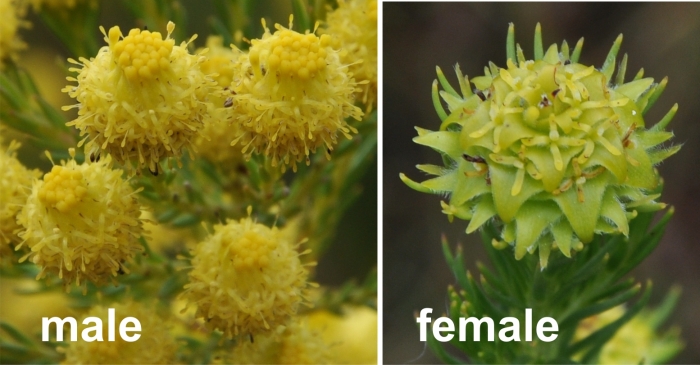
(568, 290)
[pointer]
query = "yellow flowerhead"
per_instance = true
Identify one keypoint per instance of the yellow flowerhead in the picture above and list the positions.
(246, 278)
(82, 222)
(352, 335)
(15, 185)
(12, 13)
(214, 144)
(142, 98)
(353, 26)
(295, 343)
(219, 61)
(214, 140)
(291, 95)
(637, 341)
(59, 4)
(155, 346)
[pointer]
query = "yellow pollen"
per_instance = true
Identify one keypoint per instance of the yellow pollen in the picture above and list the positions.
(63, 188)
(251, 252)
(294, 54)
(141, 54)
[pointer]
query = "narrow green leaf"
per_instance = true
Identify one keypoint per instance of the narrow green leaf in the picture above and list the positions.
(26, 83)
(499, 296)
(253, 168)
(591, 267)
(615, 289)
(661, 313)
(168, 215)
(488, 234)
(574, 318)
(597, 340)
(647, 244)
(171, 287)
(14, 349)
(57, 119)
(185, 220)
(539, 287)
(361, 159)
(301, 15)
(11, 93)
(220, 28)
(639, 226)
(438, 349)
(24, 123)
(492, 310)
(461, 273)
(488, 276)
(16, 334)
(446, 251)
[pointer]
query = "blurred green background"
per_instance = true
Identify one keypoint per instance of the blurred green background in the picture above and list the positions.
(664, 38)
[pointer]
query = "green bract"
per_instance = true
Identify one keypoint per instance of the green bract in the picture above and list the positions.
(555, 150)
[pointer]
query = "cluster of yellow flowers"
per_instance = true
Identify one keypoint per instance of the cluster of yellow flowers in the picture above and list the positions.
(11, 20)
(214, 140)
(143, 102)
(15, 182)
(354, 28)
(144, 98)
(155, 346)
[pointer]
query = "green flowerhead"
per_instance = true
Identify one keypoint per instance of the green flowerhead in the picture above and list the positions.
(555, 151)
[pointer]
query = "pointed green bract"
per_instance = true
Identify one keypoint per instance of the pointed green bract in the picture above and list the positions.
(551, 150)
(538, 42)
(609, 64)
(436, 102)
(444, 83)
(577, 51)
(510, 42)
(620, 78)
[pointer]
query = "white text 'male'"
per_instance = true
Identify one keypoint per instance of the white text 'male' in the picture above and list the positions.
(94, 332)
